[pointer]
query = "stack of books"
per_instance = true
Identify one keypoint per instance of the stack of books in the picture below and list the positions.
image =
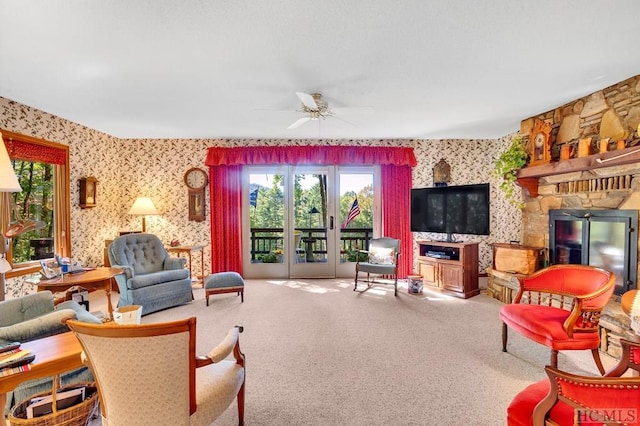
(43, 405)
(14, 359)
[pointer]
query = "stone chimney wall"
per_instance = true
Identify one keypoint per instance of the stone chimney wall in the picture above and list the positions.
(612, 113)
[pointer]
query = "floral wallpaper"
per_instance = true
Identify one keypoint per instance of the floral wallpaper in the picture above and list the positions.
(127, 169)
(471, 162)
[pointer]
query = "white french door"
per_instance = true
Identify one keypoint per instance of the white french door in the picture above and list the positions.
(295, 216)
(312, 222)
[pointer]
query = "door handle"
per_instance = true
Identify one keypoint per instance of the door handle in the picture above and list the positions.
(330, 222)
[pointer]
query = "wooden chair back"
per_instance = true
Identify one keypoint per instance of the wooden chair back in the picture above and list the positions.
(142, 371)
(593, 398)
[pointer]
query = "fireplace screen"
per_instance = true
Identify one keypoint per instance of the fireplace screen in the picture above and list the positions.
(604, 238)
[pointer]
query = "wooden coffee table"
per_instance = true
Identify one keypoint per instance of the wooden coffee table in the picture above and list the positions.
(93, 279)
(54, 355)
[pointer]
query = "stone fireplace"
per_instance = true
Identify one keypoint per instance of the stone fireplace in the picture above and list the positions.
(582, 197)
(596, 179)
(606, 238)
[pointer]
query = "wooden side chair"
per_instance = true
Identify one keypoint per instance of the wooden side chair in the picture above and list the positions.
(560, 307)
(382, 260)
(150, 375)
(568, 399)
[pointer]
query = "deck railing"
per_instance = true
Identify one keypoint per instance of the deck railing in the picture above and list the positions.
(314, 241)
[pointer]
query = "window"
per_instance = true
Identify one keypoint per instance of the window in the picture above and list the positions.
(42, 168)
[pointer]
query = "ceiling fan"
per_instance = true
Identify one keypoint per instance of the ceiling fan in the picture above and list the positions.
(316, 107)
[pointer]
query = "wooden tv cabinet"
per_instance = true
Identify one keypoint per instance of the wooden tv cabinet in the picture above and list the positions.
(451, 268)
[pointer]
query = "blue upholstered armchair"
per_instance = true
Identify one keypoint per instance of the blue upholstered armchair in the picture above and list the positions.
(34, 317)
(152, 278)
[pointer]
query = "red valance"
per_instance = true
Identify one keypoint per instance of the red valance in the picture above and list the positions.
(325, 155)
(19, 150)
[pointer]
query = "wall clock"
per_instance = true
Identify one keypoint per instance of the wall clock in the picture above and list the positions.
(87, 192)
(540, 143)
(196, 180)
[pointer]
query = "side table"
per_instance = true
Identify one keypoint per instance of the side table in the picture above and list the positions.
(189, 250)
(54, 355)
(96, 278)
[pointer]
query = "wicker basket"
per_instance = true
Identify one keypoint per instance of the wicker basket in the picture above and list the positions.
(77, 415)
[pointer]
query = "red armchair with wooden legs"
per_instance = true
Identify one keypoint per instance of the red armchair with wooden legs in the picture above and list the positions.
(559, 307)
(568, 399)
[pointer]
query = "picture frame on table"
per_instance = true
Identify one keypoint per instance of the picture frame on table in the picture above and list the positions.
(46, 271)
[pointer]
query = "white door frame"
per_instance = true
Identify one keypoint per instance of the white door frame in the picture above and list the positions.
(289, 268)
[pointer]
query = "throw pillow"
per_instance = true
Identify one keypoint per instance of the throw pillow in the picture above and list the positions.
(382, 256)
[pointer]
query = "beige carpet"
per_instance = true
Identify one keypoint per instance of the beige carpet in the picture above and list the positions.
(320, 354)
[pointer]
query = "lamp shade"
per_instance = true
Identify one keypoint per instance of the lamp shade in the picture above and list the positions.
(8, 180)
(143, 206)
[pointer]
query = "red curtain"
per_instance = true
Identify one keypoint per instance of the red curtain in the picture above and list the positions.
(396, 212)
(226, 192)
(226, 218)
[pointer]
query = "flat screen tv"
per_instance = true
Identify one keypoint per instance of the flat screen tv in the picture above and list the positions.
(462, 209)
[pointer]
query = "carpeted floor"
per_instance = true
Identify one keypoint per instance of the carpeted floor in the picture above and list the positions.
(320, 354)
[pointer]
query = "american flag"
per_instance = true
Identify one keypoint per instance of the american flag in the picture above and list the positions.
(253, 198)
(353, 212)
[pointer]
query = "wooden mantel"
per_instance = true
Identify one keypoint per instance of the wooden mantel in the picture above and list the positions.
(528, 177)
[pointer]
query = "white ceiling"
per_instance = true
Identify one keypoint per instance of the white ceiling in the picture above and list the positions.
(216, 69)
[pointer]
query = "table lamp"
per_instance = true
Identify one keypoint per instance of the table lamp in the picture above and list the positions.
(630, 302)
(143, 206)
(8, 183)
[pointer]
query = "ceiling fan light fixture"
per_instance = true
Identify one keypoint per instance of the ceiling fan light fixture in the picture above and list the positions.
(317, 108)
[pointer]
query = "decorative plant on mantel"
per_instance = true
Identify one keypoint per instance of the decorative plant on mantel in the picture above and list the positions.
(507, 166)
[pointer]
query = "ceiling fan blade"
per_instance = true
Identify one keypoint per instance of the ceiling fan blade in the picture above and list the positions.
(343, 120)
(353, 110)
(307, 100)
(299, 122)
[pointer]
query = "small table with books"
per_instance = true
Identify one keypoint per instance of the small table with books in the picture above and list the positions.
(53, 355)
(95, 278)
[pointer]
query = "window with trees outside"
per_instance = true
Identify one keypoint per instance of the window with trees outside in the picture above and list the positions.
(42, 168)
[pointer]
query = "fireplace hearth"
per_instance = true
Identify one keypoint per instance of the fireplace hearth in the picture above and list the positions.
(605, 238)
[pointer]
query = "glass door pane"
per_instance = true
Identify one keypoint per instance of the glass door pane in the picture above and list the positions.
(607, 247)
(568, 242)
(355, 216)
(264, 206)
(312, 223)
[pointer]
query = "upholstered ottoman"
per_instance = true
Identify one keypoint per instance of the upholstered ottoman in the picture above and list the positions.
(223, 282)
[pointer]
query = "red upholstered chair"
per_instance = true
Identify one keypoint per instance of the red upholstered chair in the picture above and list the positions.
(559, 307)
(568, 399)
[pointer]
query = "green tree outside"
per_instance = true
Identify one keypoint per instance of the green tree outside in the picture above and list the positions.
(34, 202)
